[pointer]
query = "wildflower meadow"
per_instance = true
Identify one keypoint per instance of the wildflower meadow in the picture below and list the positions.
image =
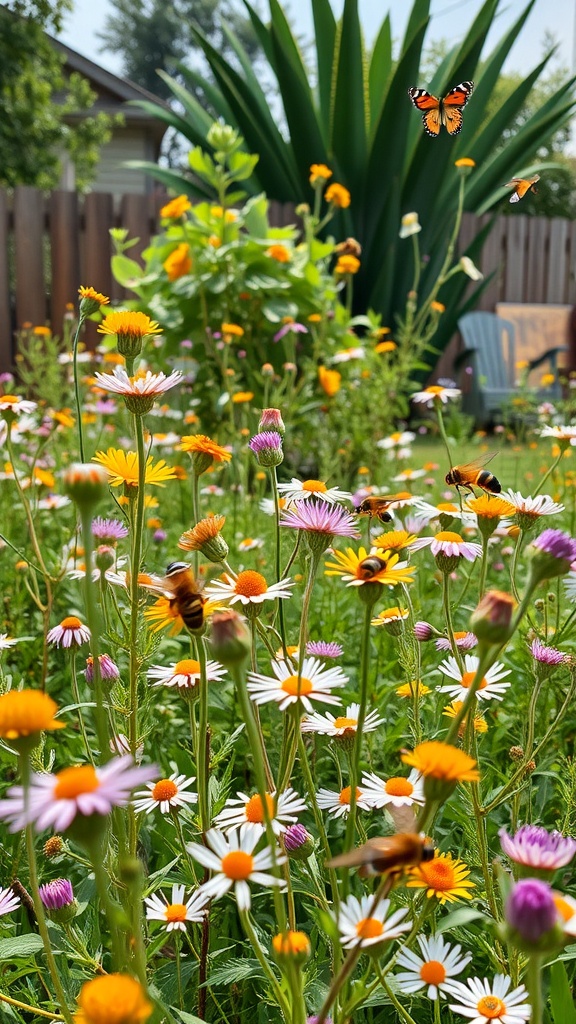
(288, 660)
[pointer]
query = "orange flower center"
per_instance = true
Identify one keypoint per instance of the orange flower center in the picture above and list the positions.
(438, 874)
(433, 972)
(434, 389)
(250, 583)
(10, 399)
(187, 667)
(164, 790)
(345, 723)
(314, 485)
(447, 535)
(290, 685)
(175, 912)
(563, 908)
(491, 1007)
(73, 782)
(238, 865)
(254, 809)
(447, 506)
(469, 677)
(369, 928)
(346, 794)
(71, 623)
(399, 787)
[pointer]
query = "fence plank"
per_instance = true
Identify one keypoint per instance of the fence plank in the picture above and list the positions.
(492, 262)
(5, 305)
(135, 216)
(31, 305)
(65, 243)
(515, 266)
(536, 261)
(558, 268)
(97, 252)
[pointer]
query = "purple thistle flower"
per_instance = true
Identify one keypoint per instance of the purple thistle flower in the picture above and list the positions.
(159, 536)
(331, 520)
(268, 439)
(108, 530)
(293, 326)
(106, 406)
(324, 649)
(556, 543)
(57, 894)
(108, 670)
(530, 909)
(271, 419)
(535, 847)
(547, 655)
(423, 631)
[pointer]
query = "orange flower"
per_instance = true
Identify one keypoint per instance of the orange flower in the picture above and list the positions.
(385, 346)
(176, 207)
(338, 196)
(319, 173)
(329, 380)
(281, 253)
(128, 323)
(113, 999)
(443, 762)
(242, 396)
(179, 262)
(91, 293)
(25, 712)
(230, 331)
(347, 265)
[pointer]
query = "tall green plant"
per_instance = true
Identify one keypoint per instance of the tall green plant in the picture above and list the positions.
(358, 120)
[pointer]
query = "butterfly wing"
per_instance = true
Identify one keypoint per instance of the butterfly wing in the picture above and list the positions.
(429, 106)
(452, 106)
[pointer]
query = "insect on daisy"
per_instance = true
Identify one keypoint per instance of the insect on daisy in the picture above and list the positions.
(437, 963)
(491, 1002)
(358, 568)
(491, 687)
(249, 811)
(176, 913)
(361, 925)
(185, 674)
(344, 725)
(167, 794)
(249, 587)
(70, 633)
(339, 803)
(396, 792)
(234, 863)
(286, 687)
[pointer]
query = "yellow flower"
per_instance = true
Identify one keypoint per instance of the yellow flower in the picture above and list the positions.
(347, 265)
(338, 195)
(546, 379)
(242, 396)
(385, 346)
(390, 615)
(179, 262)
(329, 380)
(128, 324)
(465, 161)
(230, 331)
(487, 507)
(91, 293)
(24, 712)
(229, 215)
(348, 566)
(445, 877)
(453, 709)
(438, 307)
(295, 945)
(63, 418)
(200, 444)
(113, 999)
(123, 468)
(281, 253)
(314, 318)
(319, 173)
(176, 207)
(442, 761)
(205, 530)
(412, 689)
(42, 332)
(164, 614)
(395, 540)
(522, 364)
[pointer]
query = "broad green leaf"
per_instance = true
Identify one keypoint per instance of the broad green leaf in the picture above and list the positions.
(380, 68)
(325, 36)
(20, 946)
(561, 996)
(126, 271)
(348, 115)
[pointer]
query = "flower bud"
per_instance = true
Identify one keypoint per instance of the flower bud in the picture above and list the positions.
(532, 917)
(58, 899)
(267, 448)
(292, 946)
(53, 847)
(271, 419)
(423, 631)
(105, 557)
(297, 842)
(108, 670)
(86, 483)
(516, 753)
(552, 554)
(230, 639)
(222, 137)
(491, 621)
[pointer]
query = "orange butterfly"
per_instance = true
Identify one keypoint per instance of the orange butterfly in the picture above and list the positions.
(521, 186)
(446, 111)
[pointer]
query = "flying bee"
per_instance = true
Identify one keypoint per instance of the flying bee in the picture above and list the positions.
(181, 586)
(473, 475)
(521, 187)
(372, 565)
(378, 506)
(385, 854)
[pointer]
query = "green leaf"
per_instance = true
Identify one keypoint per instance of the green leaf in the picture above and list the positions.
(325, 35)
(380, 68)
(561, 997)
(349, 116)
(242, 165)
(20, 946)
(458, 918)
(233, 971)
(187, 1018)
(126, 271)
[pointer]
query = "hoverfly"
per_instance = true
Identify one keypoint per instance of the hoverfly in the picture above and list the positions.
(385, 854)
(473, 475)
(378, 505)
(181, 588)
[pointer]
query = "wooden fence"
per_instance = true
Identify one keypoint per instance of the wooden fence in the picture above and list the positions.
(50, 245)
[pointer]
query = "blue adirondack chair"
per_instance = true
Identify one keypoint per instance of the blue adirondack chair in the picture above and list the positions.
(489, 360)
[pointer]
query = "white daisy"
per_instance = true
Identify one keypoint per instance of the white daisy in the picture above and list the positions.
(341, 725)
(541, 505)
(436, 393)
(490, 687)
(213, 491)
(53, 501)
(248, 810)
(398, 791)
(559, 433)
(185, 674)
(249, 587)
(429, 512)
(438, 963)
(408, 474)
(347, 354)
(17, 405)
(232, 859)
(167, 794)
(175, 914)
(339, 803)
(359, 925)
(143, 383)
(485, 1003)
(315, 683)
(268, 507)
(250, 543)
(396, 440)
(299, 490)
(450, 544)
(7, 641)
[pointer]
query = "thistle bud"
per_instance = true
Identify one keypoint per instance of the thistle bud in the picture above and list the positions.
(532, 917)
(53, 847)
(105, 557)
(267, 448)
(86, 483)
(59, 901)
(491, 622)
(297, 842)
(230, 640)
(271, 419)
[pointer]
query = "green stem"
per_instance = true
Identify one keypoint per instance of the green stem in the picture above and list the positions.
(195, 514)
(178, 971)
(358, 737)
(318, 819)
(111, 909)
(77, 387)
(95, 627)
(395, 1003)
(483, 567)
(549, 472)
(277, 555)
(263, 961)
(448, 617)
(203, 751)
(534, 986)
(136, 556)
(76, 692)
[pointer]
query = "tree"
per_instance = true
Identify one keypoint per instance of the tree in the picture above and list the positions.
(35, 99)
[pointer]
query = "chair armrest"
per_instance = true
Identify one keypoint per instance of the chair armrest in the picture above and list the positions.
(551, 354)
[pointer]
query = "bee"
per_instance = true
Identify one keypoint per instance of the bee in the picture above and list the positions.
(386, 854)
(521, 187)
(378, 506)
(473, 475)
(180, 586)
(371, 565)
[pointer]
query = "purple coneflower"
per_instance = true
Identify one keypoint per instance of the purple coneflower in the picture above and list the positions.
(552, 554)
(57, 894)
(547, 658)
(536, 848)
(108, 669)
(324, 649)
(107, 531)
(321, 518)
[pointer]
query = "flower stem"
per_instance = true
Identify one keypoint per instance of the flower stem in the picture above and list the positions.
(30, 1009)
(76, 693)
(203, 746)
(136, 555)
(448, 616)
(77, 387)
(195, 514)
(277, 555)
(357, 749)
(263, 961)
(95, 626)
(534, 986)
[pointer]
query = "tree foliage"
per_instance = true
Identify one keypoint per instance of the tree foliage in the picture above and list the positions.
(36, 98)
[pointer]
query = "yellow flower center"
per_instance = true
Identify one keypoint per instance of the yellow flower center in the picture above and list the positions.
(290, 685)
(449, 537)
(447, 506)
(164, 790)
(563, 907)
(71, 623)
(433, 972)
(434, 389)
(250, 583)
(291, 943)
(73, 782)
(469, 677)
(491, 1007)
(345, 723)
(438, 874)
(175, 912)
(346, 795)
(10, 399)
(23, 712)
(399, 787)
(254, 809)
(187, 667)
(395, 436)
(369, 928)
(238, 865)
(314, 486)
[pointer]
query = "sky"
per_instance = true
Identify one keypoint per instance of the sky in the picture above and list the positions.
(451, 18)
